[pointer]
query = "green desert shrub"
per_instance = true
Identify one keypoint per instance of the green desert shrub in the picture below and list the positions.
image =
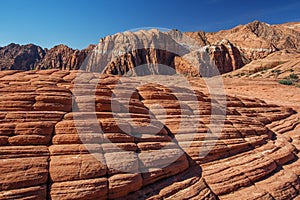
(257, 75)
(285, 82)
(294, 76)
(276, 71)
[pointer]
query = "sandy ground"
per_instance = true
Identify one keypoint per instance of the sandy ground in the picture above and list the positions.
(266, 89)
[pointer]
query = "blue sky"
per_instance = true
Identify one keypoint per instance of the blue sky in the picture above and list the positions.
(79, 23)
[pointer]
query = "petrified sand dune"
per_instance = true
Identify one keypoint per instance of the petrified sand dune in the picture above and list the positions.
(49, 151)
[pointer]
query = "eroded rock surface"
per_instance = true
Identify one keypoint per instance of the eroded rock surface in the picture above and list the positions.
(229, 49)
(20, 57)
(147, 149)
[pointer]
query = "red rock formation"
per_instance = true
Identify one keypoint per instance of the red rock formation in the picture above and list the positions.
(63, 57)
(42, 155)
(124, 52)
(230, 50)
(257, 39)
(28, 57)
(20, 57)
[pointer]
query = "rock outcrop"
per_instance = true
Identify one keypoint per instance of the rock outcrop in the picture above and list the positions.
(30, 57)
(258, 39)
(20, 57)
(51, 151)
(123, 52)
(64, 58)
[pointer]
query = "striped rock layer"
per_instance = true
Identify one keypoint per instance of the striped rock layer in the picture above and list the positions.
(142, 145)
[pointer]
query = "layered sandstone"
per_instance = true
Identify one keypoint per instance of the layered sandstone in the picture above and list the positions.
(140, 140)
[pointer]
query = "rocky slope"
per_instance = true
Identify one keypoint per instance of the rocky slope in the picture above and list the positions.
(123, 52)
(229, 50)
(25, 57)
(29, 57)
(42, 155)
(257, 39)
(280, 64)
(63, 57)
